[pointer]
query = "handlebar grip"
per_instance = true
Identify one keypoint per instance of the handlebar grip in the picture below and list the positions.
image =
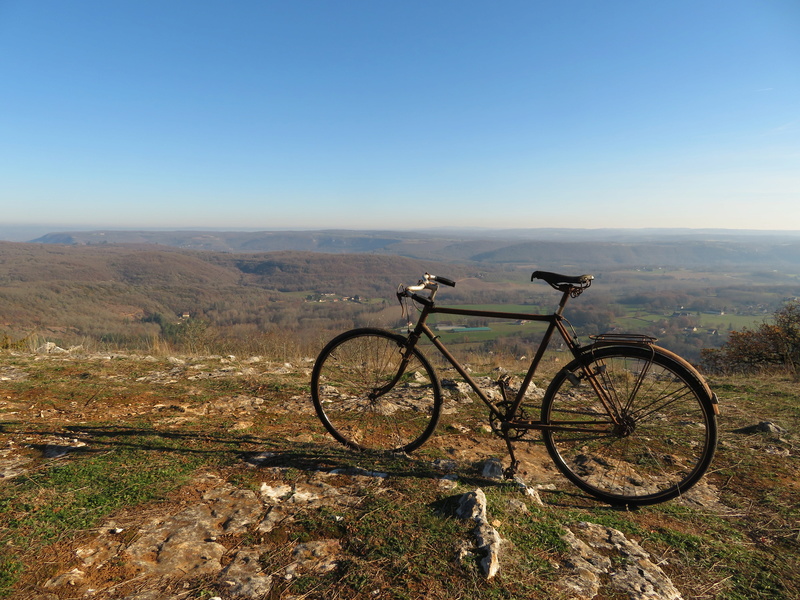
(443, 280)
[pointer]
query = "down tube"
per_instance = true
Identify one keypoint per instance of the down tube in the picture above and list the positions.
(452, 360)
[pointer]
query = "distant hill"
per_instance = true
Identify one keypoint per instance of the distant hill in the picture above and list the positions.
(145, 265)
(264, 241)
(544, 248)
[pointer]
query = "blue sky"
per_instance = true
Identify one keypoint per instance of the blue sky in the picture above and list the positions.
(398, 115)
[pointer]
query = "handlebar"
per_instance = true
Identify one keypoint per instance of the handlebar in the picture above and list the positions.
(428, 282)
(440, 279)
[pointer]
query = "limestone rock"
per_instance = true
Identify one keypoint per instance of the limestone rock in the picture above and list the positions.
(493, 469)
(319, 557)
(600, 552)
(245, 576)
(185, 543)
(472, 506)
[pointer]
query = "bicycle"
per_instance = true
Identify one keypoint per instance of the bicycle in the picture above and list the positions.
(626, 421)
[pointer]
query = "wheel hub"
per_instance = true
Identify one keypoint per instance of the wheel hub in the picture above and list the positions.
(625, 427)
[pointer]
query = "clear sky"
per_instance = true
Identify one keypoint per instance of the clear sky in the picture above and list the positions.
(400, 114)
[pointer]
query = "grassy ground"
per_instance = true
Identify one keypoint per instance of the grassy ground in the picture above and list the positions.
(143, 430)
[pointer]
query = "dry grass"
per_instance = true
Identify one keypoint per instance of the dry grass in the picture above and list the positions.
(151, 426)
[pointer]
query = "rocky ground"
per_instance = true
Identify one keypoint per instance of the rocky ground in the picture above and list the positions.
(237, 528)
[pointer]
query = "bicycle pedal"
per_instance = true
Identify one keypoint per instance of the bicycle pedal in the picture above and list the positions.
(503, 383)
(511, 471)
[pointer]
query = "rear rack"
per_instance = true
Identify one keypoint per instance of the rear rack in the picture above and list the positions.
(610, 339)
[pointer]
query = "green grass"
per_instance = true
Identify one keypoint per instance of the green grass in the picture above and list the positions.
(403, 541)
(74, 494)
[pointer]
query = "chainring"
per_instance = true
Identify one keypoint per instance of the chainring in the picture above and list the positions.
(495, 423)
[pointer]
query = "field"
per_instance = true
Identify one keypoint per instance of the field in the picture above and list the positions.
(115, 465)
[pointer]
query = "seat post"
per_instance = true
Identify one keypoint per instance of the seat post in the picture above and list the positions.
(564, 297)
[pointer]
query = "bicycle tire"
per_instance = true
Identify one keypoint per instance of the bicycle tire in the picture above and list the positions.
(665, 436)
(360, 399)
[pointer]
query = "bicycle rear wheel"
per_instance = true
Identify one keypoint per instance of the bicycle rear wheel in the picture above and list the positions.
(652, 439)
(372, 393)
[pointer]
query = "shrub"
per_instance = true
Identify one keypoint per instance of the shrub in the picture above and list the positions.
(771, 345)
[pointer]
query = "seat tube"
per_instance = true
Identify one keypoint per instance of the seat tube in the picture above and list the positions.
(523, 388)
(555, 323)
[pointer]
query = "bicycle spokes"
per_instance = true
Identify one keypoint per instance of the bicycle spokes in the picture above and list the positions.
(373, 393)
(635, 429)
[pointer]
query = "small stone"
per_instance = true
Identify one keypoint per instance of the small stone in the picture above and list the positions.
(448, 482)
(444, 464)
(492, 469)
(258, 458)
(762, 427)
(73, 577)
(459, 428)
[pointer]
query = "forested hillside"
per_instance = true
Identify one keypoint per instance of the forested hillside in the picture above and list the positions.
(145, 296)
(132, 295)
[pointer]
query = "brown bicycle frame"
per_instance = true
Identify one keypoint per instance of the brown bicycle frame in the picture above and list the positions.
(555, 323)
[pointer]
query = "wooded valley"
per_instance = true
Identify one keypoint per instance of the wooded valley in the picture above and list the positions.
(688, 291)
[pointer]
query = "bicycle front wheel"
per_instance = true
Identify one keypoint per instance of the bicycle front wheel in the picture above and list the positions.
(372, 392)
(630, 424)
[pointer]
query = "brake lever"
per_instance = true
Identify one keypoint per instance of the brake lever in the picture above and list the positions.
(402, 296)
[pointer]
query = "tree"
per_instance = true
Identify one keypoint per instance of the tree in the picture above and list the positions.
(769, 346)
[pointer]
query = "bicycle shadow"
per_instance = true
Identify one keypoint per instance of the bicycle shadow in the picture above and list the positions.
(247, 450)
(269, 453)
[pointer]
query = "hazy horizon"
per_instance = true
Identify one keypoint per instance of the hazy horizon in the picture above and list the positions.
(30, 232)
